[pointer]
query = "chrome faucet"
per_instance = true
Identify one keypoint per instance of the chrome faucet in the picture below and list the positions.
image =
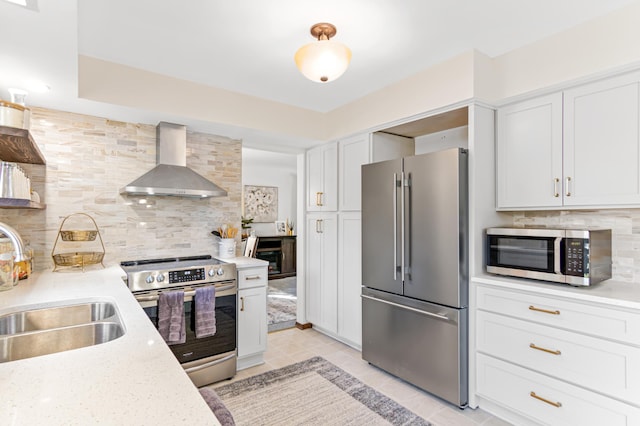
(16, 240)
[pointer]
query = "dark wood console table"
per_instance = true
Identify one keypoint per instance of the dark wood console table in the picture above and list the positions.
(280, 252)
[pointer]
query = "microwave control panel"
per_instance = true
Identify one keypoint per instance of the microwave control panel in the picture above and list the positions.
(576, 257)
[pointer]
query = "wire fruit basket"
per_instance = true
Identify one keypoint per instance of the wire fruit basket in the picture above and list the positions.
(74, 239)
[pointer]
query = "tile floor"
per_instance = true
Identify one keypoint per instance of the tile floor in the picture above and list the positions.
(292, 345)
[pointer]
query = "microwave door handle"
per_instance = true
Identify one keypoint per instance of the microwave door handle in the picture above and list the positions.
(556, 255)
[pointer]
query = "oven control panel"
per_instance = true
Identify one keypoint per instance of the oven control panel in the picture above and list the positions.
(186, 275)
(153, 277)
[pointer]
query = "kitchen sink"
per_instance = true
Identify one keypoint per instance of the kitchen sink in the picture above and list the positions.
(44, 342)
(47, 330)
(54, 317)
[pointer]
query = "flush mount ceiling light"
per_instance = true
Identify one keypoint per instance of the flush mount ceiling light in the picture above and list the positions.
(29, 4)
(325, 60)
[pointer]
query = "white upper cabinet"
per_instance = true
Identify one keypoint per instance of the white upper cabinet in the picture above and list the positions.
(322, 178)
(601, 143)
(353, 153)
(576, 149)
(364, 149)
(529, 153)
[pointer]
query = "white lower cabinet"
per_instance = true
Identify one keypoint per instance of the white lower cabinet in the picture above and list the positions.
(252, 316)
(350, 278)
(549, 360)
(334, 279)
(321, 275)
(545, 400)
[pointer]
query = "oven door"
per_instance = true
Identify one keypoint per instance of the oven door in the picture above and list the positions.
(224, 341)
(526, 253)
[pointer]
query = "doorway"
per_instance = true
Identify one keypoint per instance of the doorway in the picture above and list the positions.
(282, 302)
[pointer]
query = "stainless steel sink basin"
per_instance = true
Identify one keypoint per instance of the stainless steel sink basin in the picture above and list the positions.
(28, 345)
(47, 330)
(55, 317)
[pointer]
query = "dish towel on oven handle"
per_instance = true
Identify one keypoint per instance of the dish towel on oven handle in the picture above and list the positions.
(205, 300)
(171, 324)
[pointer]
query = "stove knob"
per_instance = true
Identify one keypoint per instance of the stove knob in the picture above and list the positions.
(149, 279)
(160, 278)
(212, 272)
(220, 271)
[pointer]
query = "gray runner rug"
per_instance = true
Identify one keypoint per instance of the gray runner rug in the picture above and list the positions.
(311, 392)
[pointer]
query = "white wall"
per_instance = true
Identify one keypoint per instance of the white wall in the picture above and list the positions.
(264, 168)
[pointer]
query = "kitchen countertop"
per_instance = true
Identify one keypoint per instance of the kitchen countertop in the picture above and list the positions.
(132, 380)
(243, 262)
(610, 292)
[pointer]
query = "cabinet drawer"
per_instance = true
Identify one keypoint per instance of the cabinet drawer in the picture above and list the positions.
(546, 400)
(252, 277)
(596, 320)
(603, 366)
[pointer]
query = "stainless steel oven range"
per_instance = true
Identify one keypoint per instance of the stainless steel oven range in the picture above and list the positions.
(209, 359)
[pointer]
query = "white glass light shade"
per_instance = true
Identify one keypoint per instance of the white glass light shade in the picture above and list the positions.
(323, 60)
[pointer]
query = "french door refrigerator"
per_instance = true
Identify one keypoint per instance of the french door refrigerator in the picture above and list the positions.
(415, 270)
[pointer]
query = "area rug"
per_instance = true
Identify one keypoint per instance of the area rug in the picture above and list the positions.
(281, 312)
(311, 392)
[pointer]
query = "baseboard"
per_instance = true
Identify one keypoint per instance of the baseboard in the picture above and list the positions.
(304, 326)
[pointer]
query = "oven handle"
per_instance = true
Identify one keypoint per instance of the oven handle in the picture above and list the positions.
(151, 298)
(210, 364)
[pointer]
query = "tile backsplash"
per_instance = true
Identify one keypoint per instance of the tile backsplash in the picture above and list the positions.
(624, 224)
(90, 158)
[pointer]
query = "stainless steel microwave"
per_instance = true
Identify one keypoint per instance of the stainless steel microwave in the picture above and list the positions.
(578, 257)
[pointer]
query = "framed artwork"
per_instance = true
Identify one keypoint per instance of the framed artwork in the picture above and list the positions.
(280, 226)
(261, 203)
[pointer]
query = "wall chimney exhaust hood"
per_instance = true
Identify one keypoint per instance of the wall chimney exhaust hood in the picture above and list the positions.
(171, 176)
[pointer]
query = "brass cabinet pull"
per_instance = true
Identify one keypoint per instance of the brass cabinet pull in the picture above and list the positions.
(551, 351)
(556, 193)
(319, 198)
(567, 187)
(241, 303)
(555, 404)
(252, 277)
(546, 311)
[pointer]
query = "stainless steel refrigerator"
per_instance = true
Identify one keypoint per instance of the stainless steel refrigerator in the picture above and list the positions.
(415, 270)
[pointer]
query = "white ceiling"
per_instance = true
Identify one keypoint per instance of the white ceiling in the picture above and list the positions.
(247, 46)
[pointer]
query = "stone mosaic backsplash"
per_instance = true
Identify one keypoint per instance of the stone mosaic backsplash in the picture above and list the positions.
(624, 224)
(90, 158)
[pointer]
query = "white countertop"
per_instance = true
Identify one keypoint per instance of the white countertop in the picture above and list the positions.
(610, 292)
(132, 380)
(243, 262)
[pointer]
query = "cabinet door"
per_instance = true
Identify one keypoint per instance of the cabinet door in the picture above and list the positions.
(252, 321)
(601, 142)
(322, 289)
(315, 174)
(350, 277)
(322, 178)
(529, 154)
(353, 153)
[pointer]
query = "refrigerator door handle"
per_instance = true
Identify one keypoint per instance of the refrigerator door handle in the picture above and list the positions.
(408, 308)
(395, 226)
(402, 226)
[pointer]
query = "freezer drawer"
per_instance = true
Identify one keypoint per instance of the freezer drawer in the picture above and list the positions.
(422, 343)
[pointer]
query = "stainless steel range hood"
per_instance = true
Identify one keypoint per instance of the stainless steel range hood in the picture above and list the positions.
(171, 176)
